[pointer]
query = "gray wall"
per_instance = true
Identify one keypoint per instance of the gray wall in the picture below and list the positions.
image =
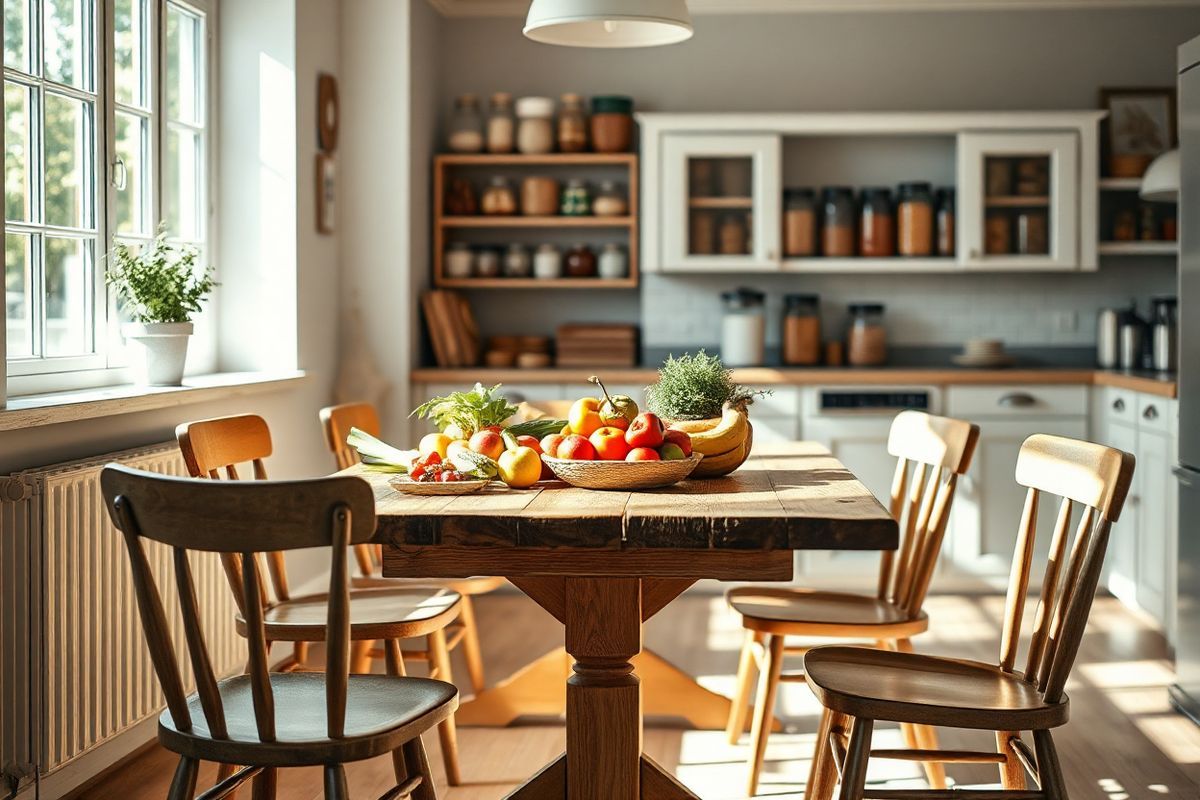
(854, 61)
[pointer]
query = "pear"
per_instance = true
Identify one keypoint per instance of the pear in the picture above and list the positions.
(617, 406)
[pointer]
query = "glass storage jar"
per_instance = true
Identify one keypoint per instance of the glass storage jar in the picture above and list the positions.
(612, 124)
(498, 199)
(466, 125)
(799, 223)
(572, 125)
(866, 339)
(547, 262)
(535, 125)
(581, 262)
(1033, 237)
(801, 335)
(487, 263)
(501, 124)
(539, 196)
(517, 263)
(915, 220)
(456, 263)
(945, 221)
(610, 201)
(613, 264)
(734, 237)
(837, 228)
(576, 202)
(877, 226)
(743, 328)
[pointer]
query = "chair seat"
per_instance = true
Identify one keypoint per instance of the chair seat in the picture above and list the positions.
(928, 690)
(374, 614)
(464, 586)
(802, 612)
(382, 712)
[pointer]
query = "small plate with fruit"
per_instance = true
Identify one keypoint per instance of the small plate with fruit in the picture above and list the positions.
(432, 476)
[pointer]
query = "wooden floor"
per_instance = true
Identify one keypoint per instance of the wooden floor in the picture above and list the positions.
(1123, 741)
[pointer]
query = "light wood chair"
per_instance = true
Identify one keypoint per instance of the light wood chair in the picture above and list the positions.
(337, 422)
(932, 452)
(384, 615)
(858, 686)
(262, 719)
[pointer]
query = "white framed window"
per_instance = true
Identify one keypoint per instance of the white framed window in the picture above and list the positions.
(107, 110)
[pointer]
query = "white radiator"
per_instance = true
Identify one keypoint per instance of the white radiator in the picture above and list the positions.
(75, 671)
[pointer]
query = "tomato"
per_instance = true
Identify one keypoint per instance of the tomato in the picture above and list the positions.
(416, 473)
(450, 476)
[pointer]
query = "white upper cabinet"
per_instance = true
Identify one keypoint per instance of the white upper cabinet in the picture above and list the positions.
(720, 202)
(1018, 201)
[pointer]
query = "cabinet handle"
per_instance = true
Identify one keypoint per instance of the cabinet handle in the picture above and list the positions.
(1151, 412)
(1118, 404)
(1017, 400)
(1185, 476)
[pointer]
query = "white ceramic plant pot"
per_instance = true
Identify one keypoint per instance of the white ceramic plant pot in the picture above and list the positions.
(159, 351)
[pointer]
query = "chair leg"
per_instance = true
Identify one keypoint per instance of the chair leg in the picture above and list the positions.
(360, 656)
(470, 644)
(935, 771)
(418, 762)
(764, 711)
(183, 786)
(264, 785)
(741, 694)
(447, 733)
(1049, 770)
(822, 774)
(1012, 773)
(854, 773)
(335, 783)
(223, 772)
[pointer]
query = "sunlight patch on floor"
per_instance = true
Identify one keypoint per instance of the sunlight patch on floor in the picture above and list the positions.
(1126, 674)
(1174, 734)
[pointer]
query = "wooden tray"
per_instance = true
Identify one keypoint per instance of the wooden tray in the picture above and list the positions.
(622, 475)
(406, 485)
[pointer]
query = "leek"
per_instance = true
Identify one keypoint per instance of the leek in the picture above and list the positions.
(380, 455)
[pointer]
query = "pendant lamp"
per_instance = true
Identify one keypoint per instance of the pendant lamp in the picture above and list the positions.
(1160, 184)
(608, 23)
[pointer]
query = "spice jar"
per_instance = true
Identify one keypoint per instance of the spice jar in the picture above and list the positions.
(1033, 177)
(487, 263)
(1032, 233)
(460, 198)
(866, 340)
(1148, 227)
(799, 223)
(498, 198)
(997, 234)
(1124, 226)
(456, 262)
(702, 233)
(517, 262)
(612, 124)
(877, 226)
(535, 125)
(581, 262)
(743, 328)
(945, 221)
(999, 177)
(576, 202)
(837, 228)
(915, 220)
(547, 262)
(613, 264)
(733, 236)
(572, 125)
(501, 125)
(610, 201)
(801, 336)
(466, 125)
(539, 197)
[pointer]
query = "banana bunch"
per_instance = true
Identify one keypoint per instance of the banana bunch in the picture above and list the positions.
(724, 441)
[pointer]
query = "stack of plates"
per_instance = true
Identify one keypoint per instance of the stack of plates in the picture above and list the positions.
(983, 353)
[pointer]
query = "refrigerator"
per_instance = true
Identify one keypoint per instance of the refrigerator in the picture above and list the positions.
(1185, 694)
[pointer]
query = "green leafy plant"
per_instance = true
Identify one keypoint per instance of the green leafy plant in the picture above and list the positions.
(696, 386)
(159, 282)
(460, 414)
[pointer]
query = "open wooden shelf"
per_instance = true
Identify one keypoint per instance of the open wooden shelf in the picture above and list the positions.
(538, 283)
(1017, 201)
(721, 202)
(548, 159)
(536, 222)
(1138, 248)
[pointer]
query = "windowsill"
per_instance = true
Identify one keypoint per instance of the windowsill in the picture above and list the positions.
(29, 411)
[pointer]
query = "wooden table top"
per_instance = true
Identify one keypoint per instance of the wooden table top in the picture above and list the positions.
(786, 497)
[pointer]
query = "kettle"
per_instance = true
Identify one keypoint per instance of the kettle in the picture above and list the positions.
(1163, 336)
(1132, 339)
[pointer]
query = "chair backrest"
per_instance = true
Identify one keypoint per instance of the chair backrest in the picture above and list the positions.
(212, 445)
(243, 518)
(337, 422)
(931, 453)
(1097, 479)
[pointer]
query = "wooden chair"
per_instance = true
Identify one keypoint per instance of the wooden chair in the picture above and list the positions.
(384, 615)
(337, 422)
(858, 686)
(262, 719)
(935, 450)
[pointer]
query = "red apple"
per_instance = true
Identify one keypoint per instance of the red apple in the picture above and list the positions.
(646, 430)
(550, 444)
(610, 443)
(643, 454)
(577, 448)
(487, 442)
(680, 438)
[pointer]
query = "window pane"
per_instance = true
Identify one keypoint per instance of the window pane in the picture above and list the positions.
(17, 301)
(131, 49)
(16, 34)
(184, 61)
(133, 146)
(183, 184)
(68, 297)
(17, 201)
(67, 42)
(68, 143)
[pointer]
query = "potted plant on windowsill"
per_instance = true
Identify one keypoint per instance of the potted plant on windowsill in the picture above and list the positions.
(163, 289)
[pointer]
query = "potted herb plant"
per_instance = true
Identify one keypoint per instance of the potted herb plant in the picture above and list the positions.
(162, 288)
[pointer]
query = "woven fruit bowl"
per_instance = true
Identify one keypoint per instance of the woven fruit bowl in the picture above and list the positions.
(622, 475)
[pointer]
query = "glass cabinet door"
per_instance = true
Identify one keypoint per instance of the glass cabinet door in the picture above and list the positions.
(721, 197)
(1018, 200)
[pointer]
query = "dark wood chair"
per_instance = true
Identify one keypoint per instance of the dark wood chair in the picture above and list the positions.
(337, 422)
(932, 452)
(262, 719)
(389, 615)
(858, 685)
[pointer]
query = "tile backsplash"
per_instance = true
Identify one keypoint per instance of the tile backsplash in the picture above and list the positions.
(1021, 308)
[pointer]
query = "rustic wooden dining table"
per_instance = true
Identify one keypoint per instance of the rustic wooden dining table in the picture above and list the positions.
(603, 562)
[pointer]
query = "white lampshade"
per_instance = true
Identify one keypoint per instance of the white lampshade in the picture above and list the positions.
(1161, 182)
(608, 23)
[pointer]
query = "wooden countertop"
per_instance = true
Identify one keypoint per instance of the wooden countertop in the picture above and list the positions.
(1148, 382)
